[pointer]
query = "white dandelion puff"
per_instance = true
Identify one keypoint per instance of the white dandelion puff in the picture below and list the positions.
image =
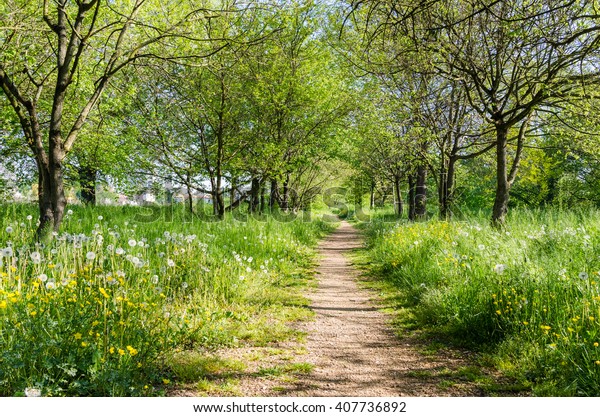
(36, 257)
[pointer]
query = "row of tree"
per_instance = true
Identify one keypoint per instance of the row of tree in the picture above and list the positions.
(208, 96)
(465, 79)
(262, 101)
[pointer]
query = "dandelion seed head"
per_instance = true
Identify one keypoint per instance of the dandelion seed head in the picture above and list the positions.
(499, 268)
(33, 392)
(36, 257)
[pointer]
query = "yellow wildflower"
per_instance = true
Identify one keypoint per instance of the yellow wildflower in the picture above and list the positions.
(78, 336)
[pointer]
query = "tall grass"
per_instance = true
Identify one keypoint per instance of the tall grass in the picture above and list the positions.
(530, 291)
(99, 309)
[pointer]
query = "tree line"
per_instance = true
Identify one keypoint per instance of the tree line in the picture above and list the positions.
(474, 83)
(266, 102)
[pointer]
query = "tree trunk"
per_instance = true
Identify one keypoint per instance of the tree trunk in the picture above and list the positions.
(87, 182)
(447, 187)
(274, 197)
(44, 203)
(219, 203)
(262, 197)
(372, 196)
(51, 192)
(254, 195)
(421, 193)
(500, 208)
(285, 201)
(411, 197)
(190, 199)
(398, 206)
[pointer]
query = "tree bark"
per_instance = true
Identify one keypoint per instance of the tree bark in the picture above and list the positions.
(285, 200)
(411, 197)
(274, 197)
(398, 206)
(500, 208)
(447, 174)
(262, 197)
(421, 193)
(254, 195)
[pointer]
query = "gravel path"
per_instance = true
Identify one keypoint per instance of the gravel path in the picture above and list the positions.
(351, 344)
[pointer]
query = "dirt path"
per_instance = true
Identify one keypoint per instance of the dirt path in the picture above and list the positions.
(350, 348)
(351, 344)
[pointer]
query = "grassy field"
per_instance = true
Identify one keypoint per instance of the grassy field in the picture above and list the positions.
(108, 307)
(528, 295)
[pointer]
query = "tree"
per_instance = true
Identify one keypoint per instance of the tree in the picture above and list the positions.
(54, 56)
(511, 58)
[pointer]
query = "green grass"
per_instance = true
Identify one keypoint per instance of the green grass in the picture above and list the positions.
(528, 295)
(99, 309)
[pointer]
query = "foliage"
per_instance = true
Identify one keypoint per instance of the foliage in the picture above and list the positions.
(530, 292)
(98, 311)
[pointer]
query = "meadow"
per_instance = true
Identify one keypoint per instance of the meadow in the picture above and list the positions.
(108, 306)
(527, 295)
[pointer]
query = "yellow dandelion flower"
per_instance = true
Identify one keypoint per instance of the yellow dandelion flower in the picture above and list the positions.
(592, 318)
(132, 350)
(167, 382)
(103, 292)
(498, 312)
(525, 323)
(111, 350)
(121, 352)
(597, 362)
(78, 336)
(84, 344)
(3, 304)
(595, 344)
